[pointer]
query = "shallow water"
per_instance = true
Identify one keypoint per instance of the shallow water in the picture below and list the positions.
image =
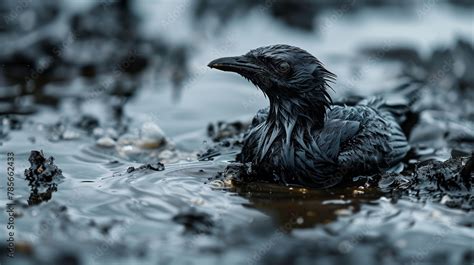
(102, 214)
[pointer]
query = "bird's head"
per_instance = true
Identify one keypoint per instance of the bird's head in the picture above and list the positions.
(284, 73)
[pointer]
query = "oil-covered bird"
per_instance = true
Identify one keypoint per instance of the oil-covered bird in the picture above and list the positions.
(302, 138)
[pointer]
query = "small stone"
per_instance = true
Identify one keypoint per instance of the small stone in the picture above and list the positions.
(106, 142)
(445, 199)
(151, 136)
(112, 133)
(128, 150)
(98, 132)
(70, 135)
(166, 154)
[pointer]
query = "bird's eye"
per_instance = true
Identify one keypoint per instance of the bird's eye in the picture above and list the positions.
(284, 67)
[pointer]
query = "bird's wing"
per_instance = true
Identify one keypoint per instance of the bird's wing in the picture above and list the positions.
(334, 134)
(391, 114)
(317, 151)
(379, 143)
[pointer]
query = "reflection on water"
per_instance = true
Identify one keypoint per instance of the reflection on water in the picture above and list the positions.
(305, 208)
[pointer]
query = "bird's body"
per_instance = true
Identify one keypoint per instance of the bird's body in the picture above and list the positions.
(302, 138)
(355, 140)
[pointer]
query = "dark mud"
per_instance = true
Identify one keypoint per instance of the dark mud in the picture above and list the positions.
(132, 186)
(449, 183)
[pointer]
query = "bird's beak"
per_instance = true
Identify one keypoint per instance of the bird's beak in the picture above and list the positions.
(237, 64)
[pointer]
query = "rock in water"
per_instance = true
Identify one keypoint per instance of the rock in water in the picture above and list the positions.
(43, 177)
(151, 136)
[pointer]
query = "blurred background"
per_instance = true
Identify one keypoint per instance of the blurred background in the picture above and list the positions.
(105, 85)
(155, 53)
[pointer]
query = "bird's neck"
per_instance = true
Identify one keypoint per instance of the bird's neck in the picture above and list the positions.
(288, 119)
(300, 112)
